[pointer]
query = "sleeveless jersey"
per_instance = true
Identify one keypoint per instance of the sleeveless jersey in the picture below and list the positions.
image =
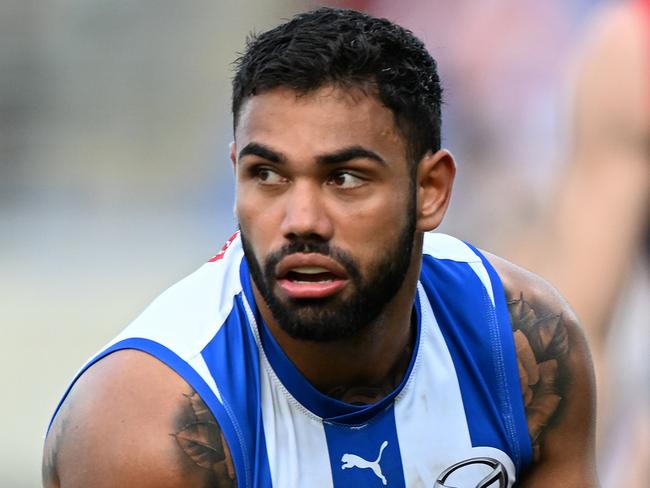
(456, 418)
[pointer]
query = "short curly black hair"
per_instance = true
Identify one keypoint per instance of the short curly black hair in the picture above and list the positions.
(351, 49)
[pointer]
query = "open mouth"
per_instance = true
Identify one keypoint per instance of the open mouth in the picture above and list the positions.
(310, 276)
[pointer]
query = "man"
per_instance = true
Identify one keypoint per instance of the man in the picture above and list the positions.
(334, 341)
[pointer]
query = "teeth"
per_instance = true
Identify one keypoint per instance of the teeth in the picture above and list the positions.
(311, 282)
(310, 270)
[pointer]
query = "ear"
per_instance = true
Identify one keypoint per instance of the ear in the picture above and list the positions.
(233, 155)
(435, 178)
(233, 159)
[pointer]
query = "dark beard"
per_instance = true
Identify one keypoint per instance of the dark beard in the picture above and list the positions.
(334, 318)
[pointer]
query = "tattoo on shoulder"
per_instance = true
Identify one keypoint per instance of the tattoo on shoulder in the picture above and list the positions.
(541, 343)
(202, 441)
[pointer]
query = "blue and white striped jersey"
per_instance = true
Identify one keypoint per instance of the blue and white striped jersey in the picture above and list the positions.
(456, 418)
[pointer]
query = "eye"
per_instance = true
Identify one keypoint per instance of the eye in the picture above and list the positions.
(345, 180)
(267, 176)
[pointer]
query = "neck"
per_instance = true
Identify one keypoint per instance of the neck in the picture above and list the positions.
(385, 369)
(362, 369)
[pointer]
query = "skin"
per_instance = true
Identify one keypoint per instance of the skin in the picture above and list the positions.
(357, 215)
(597, 224)
(595, 231)
(560, 404)
(609, 176)
(353, 204)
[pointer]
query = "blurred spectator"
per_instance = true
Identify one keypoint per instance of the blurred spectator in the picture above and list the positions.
(596, 239)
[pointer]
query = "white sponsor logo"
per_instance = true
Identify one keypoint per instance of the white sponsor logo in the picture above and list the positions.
(354, 461)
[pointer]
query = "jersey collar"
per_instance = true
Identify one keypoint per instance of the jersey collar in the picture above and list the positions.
(326, 407)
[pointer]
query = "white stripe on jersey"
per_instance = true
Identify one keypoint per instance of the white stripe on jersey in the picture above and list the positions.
(482, 273)
(295, 437)
(432, 392)
(188, 315)
(442, 246)
(198, 363)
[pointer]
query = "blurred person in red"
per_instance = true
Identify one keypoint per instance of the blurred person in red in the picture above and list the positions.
(595, 244)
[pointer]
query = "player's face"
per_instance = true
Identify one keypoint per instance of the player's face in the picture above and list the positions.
(326, 205)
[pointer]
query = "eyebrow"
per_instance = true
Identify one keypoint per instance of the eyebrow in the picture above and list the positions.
(337, 157)
(348, 154)
(262, 151)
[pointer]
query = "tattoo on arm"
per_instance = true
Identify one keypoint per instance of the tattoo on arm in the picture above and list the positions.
(202, 441)
(50, 476)
(542, 344)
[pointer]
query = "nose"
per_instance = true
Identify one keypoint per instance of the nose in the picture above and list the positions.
(305, 214)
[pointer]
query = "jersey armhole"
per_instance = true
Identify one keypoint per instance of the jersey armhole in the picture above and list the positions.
(226, 421)
(511, 399)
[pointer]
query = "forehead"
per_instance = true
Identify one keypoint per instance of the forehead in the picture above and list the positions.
(319, 121)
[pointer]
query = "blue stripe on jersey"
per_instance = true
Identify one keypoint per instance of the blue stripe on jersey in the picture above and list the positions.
(366, 455)
(470, 327)
(233, 361)
(188, 373)
(302, 390)
(511, 398)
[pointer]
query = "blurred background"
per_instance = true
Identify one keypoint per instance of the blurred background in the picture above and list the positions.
(115, 180)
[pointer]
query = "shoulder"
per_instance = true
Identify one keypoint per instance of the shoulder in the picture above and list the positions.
(518, 281)
(556, 377)
(131, 421)
(446, 247)
(190, 312)
(540, 315)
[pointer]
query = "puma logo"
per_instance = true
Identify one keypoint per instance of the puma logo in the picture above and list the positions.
(354, 461)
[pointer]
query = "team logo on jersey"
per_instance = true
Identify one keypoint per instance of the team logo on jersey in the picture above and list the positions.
(496, 478)
(354, 461)
(224, 248)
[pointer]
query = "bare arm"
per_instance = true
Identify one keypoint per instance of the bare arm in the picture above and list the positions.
(556, 379)
(594, 231)
(601, 211)
(131, 421)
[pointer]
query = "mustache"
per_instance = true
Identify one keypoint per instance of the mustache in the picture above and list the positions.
(315, 247)
(304, 246)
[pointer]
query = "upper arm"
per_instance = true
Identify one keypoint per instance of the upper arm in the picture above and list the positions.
(601, 208)
(556, 379)
(131, 421)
